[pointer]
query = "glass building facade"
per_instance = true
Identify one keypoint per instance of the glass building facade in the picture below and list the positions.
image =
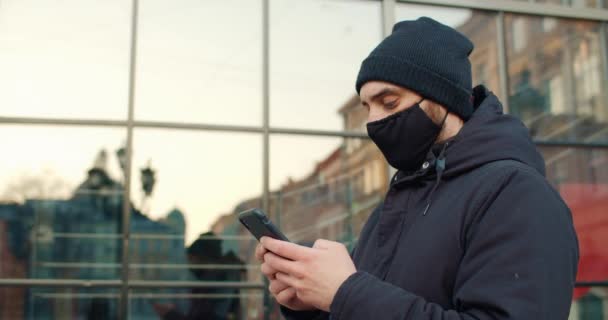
(135, 131)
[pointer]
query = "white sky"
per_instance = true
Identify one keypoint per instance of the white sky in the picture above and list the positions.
(198, 61)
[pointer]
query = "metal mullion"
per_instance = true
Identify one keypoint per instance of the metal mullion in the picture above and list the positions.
(75, 283)
(308, 132)
(503, 67)
(71, 283)
(266, 128)
(565, 144)
(582, 284)
(66, 283)
(603, 34)
(126, 209)
(125, 123)
(196, 126)
(197, 284)
(528, 8)
(388, 17)
(324, 133)
(266, 102)
(63, 122)
(180, 126)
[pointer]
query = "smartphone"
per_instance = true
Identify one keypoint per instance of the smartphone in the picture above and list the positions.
(259, 225)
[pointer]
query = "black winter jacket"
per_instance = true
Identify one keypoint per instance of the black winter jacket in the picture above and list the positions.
(477, 233)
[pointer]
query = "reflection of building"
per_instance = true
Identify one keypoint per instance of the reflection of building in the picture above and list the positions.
(79, 238)
(481, 29)
(554, 69)
(12, 263)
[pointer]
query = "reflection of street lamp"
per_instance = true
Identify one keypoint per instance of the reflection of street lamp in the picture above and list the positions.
(121, 154)
(96, 178)
(148, 179)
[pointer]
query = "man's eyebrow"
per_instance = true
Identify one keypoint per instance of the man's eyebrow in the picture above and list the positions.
(383, 92)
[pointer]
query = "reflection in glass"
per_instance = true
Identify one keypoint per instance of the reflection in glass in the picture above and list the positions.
(60, 203)
(555, 76)
(191, 186)
(316, 49)
(573, 3)
(170, 304)
(207, 262)
(66, 59)
(590, 304)
(331, 195)
(200, 61)
(581, 177)
(60, 218)
(66, 303)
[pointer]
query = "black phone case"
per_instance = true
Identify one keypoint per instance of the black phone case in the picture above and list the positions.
(259, 225)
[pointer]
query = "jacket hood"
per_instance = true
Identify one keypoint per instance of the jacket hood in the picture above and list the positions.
(488, 136)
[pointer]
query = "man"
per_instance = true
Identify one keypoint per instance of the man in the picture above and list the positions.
(469, 229)
(204, 251)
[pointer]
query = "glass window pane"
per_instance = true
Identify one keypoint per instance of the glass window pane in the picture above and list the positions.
(198, 188)
(581, 177)
(590, 303)
(65, 59)
(200, 61)
(199, 303)
(316, 48)
(69, 303)
(329, 191)
(60, 203)
(556, 78)
(574, 3)
(478, 26)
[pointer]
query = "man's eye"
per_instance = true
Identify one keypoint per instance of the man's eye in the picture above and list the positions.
(390, 104)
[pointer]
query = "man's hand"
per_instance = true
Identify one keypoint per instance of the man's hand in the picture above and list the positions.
(314, 273)
(284, 294)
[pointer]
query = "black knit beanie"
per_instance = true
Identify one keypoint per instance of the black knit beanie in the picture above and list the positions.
(427, 57)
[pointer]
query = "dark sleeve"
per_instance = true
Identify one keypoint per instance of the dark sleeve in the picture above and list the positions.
(304, 315)
(519, 263)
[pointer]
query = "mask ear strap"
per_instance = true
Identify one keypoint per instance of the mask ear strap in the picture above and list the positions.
(444, 118)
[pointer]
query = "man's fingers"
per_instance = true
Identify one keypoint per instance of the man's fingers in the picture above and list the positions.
(281, 264)
(277, 286)
(259, 252)
(285, 296)
(268, 271)
(287, 279)
(322, 244)
(286, 249)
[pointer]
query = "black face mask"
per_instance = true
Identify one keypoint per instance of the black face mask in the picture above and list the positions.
(406, 137)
